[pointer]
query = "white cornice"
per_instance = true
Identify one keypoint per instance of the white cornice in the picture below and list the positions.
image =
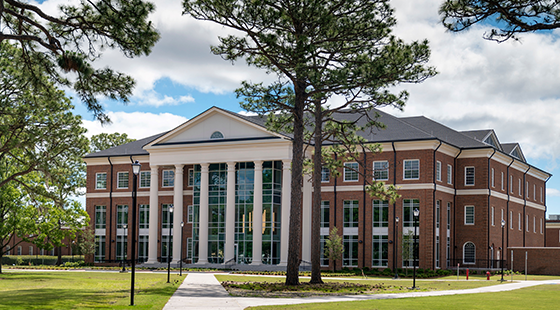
(467, 192)
(486, 152)
(117, 160)
(449, 150)
(552, 225)
(417, 145)
(140, 194)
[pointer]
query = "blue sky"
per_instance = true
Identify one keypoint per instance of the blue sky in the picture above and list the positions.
(510, 87)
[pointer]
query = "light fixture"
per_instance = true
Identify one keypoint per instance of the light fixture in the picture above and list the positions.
(136, 168)
(416, 212)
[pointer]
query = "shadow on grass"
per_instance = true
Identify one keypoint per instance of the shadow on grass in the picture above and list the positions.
(49, 298)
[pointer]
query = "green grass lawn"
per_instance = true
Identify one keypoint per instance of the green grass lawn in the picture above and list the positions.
(422, 284)
(538, 297)
(84, 290)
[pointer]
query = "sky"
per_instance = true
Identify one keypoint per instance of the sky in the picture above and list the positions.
(511, 87)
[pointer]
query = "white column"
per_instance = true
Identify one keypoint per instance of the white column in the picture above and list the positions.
(154, 212)
(257, 214)
(177, 212)
(230, 213)
(306, 225)
(285, 224)
(203, 224)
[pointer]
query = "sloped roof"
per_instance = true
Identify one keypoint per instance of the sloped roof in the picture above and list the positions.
(134, 148)
(444, 133)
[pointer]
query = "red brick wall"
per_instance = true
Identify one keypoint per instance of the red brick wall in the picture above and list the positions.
(539, 260)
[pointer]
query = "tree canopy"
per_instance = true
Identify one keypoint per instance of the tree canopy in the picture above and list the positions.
(508, 17)
(105, 141)
(317, 49)
(72, 40)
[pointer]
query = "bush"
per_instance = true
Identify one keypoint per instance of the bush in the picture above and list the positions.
(35, 260)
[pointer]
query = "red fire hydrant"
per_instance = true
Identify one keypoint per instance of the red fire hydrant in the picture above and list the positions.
(487, 275)
(467, 274)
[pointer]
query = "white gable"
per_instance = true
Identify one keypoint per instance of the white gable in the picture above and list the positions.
(201, 129)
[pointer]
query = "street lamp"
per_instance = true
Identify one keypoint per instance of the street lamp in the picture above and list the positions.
(135, 171)
(396, 246)
(502, 254)
(72, 249)
(168, 244)
(416, 214)
(181, 255)
(124, 226)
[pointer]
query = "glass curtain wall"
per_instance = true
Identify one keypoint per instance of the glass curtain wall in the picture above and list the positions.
(245, 182)
(272, 205)
(217, 194)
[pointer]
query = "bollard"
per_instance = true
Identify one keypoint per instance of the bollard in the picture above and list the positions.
(467, 273)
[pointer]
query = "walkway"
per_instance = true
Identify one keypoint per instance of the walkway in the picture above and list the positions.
(202, 291)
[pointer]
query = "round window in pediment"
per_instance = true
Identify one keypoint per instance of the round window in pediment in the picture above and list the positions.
(217, 135)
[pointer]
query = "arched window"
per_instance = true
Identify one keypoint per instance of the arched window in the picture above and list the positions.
(469, 251)
(217, 135)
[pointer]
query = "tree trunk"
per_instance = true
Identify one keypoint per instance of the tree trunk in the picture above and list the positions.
(294, 244)
(59, 256)
(316, 206)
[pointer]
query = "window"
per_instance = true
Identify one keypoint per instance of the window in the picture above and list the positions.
(527, 223)
(351, 216)
(408, 211)
(381, 170)
(438, 171)
(143, 248)
(325, 209)
(511, 183)
(493, 185)
(144, 217)
(30, 250)
(380, 251)
(217, 135)
(380, 213)
(122, 216)
(534, 192)
(189, 248)
(168, 178)
(325, 174)
(100, 217)
(510, 219)
(190, 214)
(502, 181)
(191, 178)
(469, 175)
(166, 216)
(541, 226)
(438, 212)
(101, 180)
(145, 177)
(527, 188)
(166, 248)
(469, 253)
(8, 251)
(411, 169)
(99, 248)
(350, 256)
(519, 221)
(324, 259)
(121, 247)
(122, 180)
(19, 250)
(492, 217)
(534, 225)
(437, 253)
(469, 215)
(541, 194)
(519, 183)
(502, 215)
(351, 172)
(449, 174)
(449, 215)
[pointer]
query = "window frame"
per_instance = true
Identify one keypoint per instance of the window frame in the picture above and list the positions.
(380, 171)
(141, 179)
(467, 175)
(493, 179)
(411, 170)
(467, 216)
(438, 171)
(97, 180)
(119, 179)
(325, 175)
(449, 174)
(351, 171)
(190, 180)
(382, 207)
(168, 175)
(465, 253)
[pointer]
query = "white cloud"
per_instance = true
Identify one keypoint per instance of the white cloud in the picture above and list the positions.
(152, 98)
(136, 125)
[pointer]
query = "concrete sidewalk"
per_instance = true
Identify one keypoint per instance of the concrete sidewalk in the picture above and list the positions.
(203, 291)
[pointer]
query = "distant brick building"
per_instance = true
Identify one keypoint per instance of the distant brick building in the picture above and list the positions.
(463, 183)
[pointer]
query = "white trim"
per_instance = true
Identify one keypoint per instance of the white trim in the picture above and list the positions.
(387, 168)
(140, 194)
(140, 178)
(474, 176)
(473, 215)
(163, 178)
(344, 171)
(438, 170)
(404, 169)
(127, 181)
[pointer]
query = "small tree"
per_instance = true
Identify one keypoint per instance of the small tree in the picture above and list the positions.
(407, 248)
(86, 242)
(334, 247)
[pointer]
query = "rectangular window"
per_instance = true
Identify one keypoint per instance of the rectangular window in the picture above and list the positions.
(144, 217)
(30, 250)
(408, 211)
(100, 217)
(122, 180)
(510, 219)
(325, 174)
(511, 183)
(351, 213)
(19, 250)
(122, 245)
(438, 213)
(380, 251)
(438, 171)
(351, 172)
(519, 183)
(534, 225)
(166, 216)
(99, 248)
(190, 214)
(502, 181)
(527, 188)
(502, 215)
(143, 248)
(449, 215)
(449, 174)
(189, 248)
(324, 259)
(168, 178)
(8, 251)
(541, 194)
(145, 177)
(122, 216)
(350, 255)
(469, 215)
(534, 192)
(101, 180)
(492, 216)
(437, 253)
(519, 221)
(493, 185)
(411, 169)
(469, 176)
(541, 226)
(166, 248)
(325, 213)
(381, 170)
(527, 223)
(380, 213)
(191, 178)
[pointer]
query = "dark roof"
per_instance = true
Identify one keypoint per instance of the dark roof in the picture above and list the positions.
(130, 149)
(477, 134)
(444, 133)
(508, 147)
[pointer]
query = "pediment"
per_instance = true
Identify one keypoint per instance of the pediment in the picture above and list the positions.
(215, 125)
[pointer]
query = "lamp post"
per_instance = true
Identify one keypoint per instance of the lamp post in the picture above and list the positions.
(168, 244)
(125, 227)
(72, 249)
(135, 171)
(181, 255)
(502, 254)
(396, 246)
(416, 214)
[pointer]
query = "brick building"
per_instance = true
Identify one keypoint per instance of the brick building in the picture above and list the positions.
(463, 184)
